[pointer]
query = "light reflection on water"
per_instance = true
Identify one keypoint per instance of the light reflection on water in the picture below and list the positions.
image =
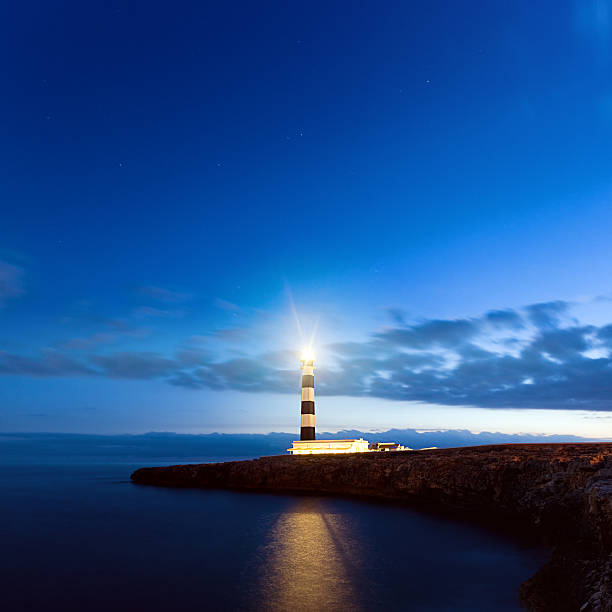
(310, 561)
(80, 538)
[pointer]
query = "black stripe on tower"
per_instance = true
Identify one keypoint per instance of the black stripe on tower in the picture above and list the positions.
(307, 380)
(307, 433)
(307, 407)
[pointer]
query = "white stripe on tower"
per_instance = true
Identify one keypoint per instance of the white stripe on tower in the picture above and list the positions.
(308, 394)
(307, 420)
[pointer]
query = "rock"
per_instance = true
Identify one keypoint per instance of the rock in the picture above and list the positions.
(562, 490)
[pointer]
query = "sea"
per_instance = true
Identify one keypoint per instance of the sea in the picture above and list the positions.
(77, 535)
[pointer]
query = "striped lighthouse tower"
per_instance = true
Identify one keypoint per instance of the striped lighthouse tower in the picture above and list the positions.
(307, 431)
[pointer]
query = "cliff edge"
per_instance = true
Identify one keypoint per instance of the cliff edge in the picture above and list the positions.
(563, 490)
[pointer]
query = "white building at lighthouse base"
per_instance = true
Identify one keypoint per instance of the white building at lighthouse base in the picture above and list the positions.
(320, 447)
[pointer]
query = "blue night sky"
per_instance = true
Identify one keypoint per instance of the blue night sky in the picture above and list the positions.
(191, 191)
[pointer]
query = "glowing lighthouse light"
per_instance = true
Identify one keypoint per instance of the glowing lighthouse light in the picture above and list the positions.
(307, 444)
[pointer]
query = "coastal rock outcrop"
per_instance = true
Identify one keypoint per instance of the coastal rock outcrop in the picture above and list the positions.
(563, 491)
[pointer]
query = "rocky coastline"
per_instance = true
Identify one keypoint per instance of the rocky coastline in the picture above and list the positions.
(561, 491)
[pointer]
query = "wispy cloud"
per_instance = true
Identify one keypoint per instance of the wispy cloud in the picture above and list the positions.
(163, 294)
(593, 20)
(134, 365)
(50, 362)
(145, 312)
(231, 334)
(88, 342)
(548, 314)
(11, 282)
(535, 357)
(225, 305)
(116, 330)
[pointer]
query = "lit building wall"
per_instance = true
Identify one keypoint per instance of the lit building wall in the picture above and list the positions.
(319, 447)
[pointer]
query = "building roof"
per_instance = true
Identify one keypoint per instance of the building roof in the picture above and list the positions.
(316, 441)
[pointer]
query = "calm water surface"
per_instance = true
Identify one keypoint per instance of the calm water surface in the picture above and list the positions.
(83, 537)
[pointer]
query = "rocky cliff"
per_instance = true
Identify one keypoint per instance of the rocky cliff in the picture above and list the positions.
(563, 490)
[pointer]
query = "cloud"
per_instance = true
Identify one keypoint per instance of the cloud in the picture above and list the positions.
(52, 362)
(352, 349)
(79, 344)
(240, 374)
(190, 380)
(231, 334)
(135, 365)
(463, 362)
(499, 360)
(605, 335)
(189, 356)
(563, 343)
(398, 316)
(593, 19)
(120, 330)
(49, 363)
(505, 319)
(547, 314)
(83, 314)
(225, 305)
(11, 282)
(164, 295)
(425, 335)
(144, 312)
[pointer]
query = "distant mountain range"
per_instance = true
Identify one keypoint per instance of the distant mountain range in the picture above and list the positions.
(188, 448)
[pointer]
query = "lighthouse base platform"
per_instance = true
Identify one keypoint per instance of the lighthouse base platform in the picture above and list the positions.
(321, 447)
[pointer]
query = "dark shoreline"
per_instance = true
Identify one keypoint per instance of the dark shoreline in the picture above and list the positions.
(560, 492)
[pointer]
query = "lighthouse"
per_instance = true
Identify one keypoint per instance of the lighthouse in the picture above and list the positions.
(307, 421)
(307, 444)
